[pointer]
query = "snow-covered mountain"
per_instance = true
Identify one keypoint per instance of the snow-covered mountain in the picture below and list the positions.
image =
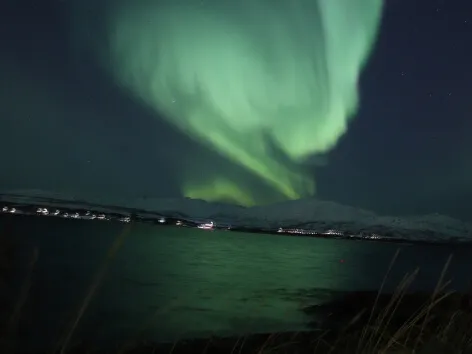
(307, 213)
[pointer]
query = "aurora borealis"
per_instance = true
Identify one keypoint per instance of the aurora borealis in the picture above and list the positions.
(76, 118)
(245, 77)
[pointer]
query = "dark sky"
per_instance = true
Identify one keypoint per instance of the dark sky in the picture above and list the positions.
(65, 127)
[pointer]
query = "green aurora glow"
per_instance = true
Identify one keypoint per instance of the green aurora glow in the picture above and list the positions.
(245, 76)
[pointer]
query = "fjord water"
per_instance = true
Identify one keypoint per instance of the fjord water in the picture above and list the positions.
(167, 283)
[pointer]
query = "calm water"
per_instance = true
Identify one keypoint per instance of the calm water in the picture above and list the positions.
(167, 283)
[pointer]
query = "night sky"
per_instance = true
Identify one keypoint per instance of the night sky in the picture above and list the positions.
(65, 126)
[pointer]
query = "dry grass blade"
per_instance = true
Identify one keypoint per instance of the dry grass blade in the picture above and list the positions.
(16, 314)
(390, 266)
(435, 293)
(385, 320)
(93, 287)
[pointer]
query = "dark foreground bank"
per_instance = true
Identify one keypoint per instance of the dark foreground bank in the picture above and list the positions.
(360, 322)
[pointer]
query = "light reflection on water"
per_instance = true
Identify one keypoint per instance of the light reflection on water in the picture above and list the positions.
(178, 282)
